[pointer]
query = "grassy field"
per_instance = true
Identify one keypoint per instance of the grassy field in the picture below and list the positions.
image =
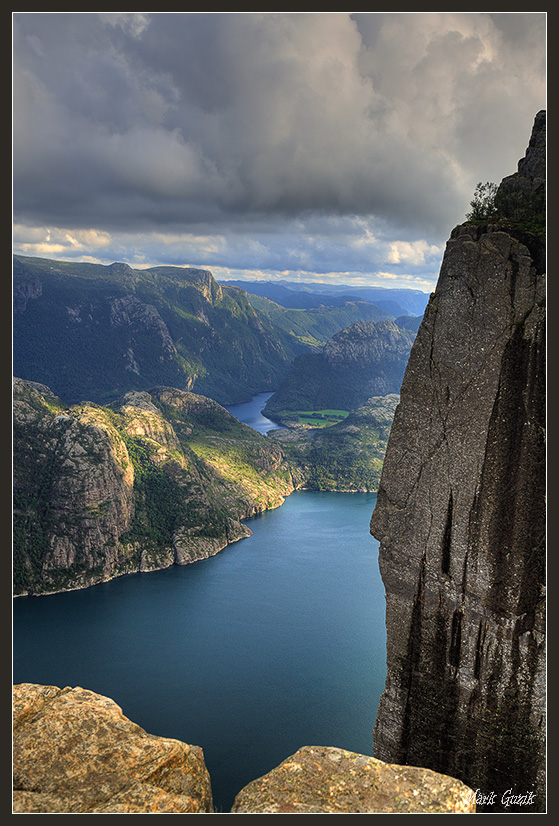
(318, 418)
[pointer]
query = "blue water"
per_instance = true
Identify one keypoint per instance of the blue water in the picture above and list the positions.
(251, 413)
(275, 643)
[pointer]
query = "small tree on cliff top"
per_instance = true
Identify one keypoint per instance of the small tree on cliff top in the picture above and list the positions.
(483, 202)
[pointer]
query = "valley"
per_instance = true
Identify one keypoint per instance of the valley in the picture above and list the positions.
(125, 458)
(162, 477)
(315, 418)
(95, 332)
(150, 476)
(279, 373)
(340, 453)
(363, 360)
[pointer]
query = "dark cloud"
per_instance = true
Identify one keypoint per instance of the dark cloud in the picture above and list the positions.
(217, 123)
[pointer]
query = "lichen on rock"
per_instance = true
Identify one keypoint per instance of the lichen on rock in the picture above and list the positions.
(75, 752)
(326, 780)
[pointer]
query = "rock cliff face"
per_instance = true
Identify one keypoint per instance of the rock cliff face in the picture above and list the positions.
(461, 514)
(157, 479)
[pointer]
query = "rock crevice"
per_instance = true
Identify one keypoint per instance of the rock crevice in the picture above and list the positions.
(461, 515)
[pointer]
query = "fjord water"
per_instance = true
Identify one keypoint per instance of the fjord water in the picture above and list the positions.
(251, 413)
(275, 643)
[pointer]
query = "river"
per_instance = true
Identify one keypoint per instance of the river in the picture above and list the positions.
(275, 643)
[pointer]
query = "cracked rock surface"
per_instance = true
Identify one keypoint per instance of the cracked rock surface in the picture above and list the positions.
(322, 779)
(76, 752)
(461, 520)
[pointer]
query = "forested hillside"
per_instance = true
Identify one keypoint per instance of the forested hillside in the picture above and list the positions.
(363, 360)
(155, 479)
(95, 332)
(347, 455)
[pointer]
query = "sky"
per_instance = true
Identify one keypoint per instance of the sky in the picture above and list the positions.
(313, 147)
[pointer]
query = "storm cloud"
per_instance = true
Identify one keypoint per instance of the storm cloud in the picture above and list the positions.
(265, 142)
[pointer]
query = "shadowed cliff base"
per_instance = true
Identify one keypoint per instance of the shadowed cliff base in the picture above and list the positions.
(460, 514)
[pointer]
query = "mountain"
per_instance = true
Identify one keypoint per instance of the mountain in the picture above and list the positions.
(287, 296)
(365, 359)
(316, 325)
(347, 455)
(393, 301)
(156, 479)
(160, 478)
(95, 332)
(461, 512)
(409, 322)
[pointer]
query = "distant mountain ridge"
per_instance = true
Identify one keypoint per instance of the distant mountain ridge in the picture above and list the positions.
(394, 301)
(94, 332)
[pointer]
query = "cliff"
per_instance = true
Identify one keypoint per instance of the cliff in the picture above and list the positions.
(158, 478)
(461, 512)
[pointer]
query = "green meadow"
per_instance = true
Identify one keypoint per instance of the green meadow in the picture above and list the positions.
(317, 418)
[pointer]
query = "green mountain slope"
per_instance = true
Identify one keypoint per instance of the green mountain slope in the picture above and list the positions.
(345, 456)
(95, 332)
(364, 360)
(160, 478)
(155, 479)
(315, 325)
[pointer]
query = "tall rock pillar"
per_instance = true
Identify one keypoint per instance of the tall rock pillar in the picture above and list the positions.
(461, 513)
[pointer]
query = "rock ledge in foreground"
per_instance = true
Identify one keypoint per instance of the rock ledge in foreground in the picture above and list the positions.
(75, 752)
(321, 779)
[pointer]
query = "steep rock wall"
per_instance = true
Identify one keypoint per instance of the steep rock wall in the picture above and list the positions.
(461, 516)
(160, 478)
